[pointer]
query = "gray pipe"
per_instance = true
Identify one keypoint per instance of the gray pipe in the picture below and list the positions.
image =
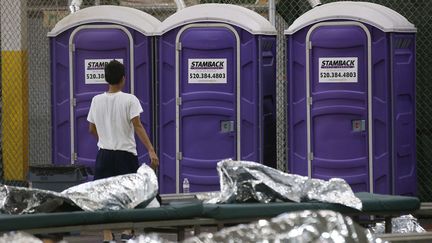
(314, 3)
(272, 12)
(74, 5)
(180, 5)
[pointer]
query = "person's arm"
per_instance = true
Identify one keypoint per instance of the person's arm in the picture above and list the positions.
(142, 135)
(93, 130)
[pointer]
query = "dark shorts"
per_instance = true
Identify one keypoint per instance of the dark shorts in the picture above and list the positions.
(114, 162)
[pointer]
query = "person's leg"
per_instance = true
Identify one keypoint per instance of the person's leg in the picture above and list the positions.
(126, 163)
(104, 168)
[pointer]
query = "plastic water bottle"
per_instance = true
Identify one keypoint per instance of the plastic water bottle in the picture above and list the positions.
(186, 185)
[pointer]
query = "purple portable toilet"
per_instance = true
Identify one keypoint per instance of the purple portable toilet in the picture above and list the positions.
(217, 69)
(81, 44)
(351, 97)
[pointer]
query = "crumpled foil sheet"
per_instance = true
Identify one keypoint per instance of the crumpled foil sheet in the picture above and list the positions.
(208, 197)
(306, 226)
(21, 200)
(402, 224)
(149, 238)
(18, 237)
(243, 181)
(115, 193)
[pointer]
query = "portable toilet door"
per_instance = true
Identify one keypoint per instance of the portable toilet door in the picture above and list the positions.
(213, 94)
(81, 44)
(351, 112)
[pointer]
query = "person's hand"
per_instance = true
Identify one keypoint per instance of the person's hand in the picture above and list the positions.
(154, 160)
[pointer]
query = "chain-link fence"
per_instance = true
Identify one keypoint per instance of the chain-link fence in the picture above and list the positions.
(41, 15)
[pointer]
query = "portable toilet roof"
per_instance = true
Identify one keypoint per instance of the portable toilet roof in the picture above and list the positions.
(226, 13)
(373, 14)
(129, 17)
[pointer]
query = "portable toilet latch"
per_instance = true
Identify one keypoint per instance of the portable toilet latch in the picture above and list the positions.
(179, 156)
(311, 156)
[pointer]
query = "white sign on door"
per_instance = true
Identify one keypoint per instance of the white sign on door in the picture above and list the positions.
(95, 70)
(207, 71)
(338, 70)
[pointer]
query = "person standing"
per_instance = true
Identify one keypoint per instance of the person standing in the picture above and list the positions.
(114, 118)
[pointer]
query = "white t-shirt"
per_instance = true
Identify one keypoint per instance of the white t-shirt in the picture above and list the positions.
(112, 114)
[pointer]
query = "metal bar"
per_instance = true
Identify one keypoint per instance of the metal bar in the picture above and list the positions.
(407, 237)
(123, 225)
(177, 109)
(180, 4)
(392, 112)
(314, 3)
(74, 5)
(180, 233)
(388, 224)
(155, 95)
(261, 102)
(197, 229)
(272, 11)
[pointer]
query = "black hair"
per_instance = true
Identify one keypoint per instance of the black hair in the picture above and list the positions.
(114, 72)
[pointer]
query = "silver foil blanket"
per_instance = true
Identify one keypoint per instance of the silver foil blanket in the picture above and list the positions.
(149, 238)
(21, 200)
(305, 226)
(18, 237)
(402, 224)
(243, 181)
(115, 193)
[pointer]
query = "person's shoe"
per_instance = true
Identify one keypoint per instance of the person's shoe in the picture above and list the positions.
(126, 237)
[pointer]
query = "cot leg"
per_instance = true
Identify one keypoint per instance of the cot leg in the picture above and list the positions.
(388, 225)
(197, 229)
(220, 226)
(180, 233)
